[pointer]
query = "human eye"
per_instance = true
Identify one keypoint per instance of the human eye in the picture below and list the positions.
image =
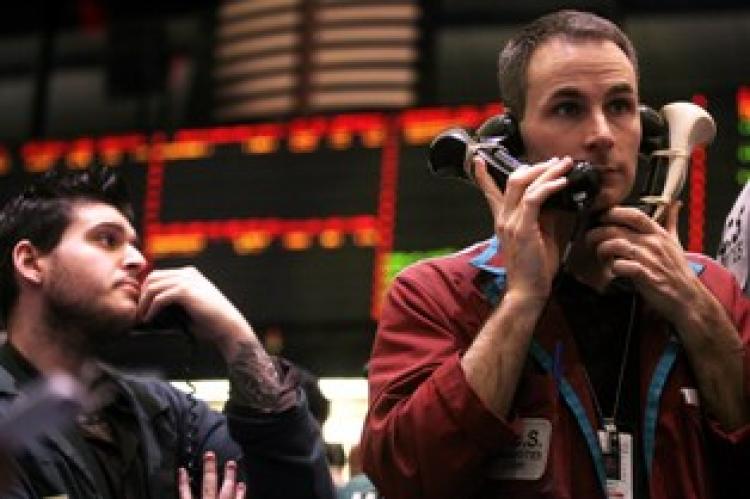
(567, 109)
(108, 239)
(621, 105)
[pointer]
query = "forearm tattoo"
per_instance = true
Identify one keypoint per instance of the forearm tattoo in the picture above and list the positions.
(254, 379)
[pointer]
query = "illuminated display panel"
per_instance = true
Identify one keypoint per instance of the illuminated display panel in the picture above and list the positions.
(289, 236)
(230, 185)
(303, 223)
(426, 205)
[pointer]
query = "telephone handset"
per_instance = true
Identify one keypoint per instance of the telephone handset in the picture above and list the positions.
(688, 125)
(498, 142)
(668, 137)
(172, 318)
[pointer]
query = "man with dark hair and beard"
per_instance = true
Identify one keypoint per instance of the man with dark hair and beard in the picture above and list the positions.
(72, 279)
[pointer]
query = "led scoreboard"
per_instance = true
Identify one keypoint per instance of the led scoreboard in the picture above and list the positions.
(303, 223)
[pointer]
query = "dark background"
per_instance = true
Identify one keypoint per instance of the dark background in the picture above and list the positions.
(91, 68)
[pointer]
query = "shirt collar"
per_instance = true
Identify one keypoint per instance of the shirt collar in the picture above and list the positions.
(20, 369)
(486, 261)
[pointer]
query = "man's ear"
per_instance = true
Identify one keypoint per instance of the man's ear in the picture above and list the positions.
(27, 262)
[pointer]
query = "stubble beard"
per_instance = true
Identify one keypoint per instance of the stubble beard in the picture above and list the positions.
(80, 322)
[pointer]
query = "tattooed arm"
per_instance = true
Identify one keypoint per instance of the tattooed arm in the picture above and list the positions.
(258, 382)
(282, 452)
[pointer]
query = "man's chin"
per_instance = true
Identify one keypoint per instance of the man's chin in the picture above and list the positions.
(608, 197)
(603, 203)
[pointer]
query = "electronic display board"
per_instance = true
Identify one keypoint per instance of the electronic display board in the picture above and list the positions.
(302, 223)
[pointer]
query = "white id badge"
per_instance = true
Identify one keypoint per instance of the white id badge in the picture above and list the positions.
(618, 463)
(527, 460)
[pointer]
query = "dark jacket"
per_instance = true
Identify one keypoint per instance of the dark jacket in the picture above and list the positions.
(282, 454)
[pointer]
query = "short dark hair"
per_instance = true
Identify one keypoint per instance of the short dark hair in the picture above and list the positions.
(513, 63)
(42, 212)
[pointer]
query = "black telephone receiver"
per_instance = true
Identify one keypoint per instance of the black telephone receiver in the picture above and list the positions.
(172, 318)
(498, 141)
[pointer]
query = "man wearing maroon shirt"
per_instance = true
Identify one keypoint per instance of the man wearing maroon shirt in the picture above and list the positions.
(515, 368)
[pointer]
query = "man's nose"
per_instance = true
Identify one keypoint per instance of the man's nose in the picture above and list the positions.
(134, 259)
(600, 134)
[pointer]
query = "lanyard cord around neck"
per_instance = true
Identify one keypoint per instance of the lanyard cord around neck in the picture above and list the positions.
(581, 225)
(609, 423)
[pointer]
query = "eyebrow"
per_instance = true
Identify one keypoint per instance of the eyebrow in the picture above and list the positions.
(573, 92)
(621, 88)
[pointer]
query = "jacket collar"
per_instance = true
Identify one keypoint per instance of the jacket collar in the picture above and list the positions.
(16, 372)
(147, 405)
(490, 261)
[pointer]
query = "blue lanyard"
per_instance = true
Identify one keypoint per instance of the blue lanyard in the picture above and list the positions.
(656, 387)
(493, 292)
(574, 404)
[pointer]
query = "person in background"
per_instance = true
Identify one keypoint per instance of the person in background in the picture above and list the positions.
(358, 486)
(320, 408)
(554, 360)
(733, 250)
(72, 279)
